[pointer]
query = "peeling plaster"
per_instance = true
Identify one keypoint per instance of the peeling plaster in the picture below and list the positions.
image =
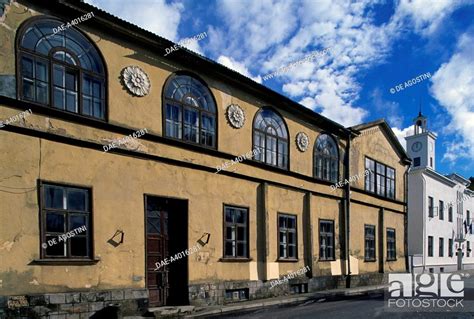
(34, 282)
(4, 7)
(132, 144)
(7, 245)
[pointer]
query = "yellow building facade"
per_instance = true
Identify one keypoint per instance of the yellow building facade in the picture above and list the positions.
(167, 188)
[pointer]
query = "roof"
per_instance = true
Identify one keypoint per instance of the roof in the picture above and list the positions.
(104, 21)
(458, 178)
(392, 137)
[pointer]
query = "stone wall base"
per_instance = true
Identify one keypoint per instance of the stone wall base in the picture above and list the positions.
(76, 305)
(219, 293)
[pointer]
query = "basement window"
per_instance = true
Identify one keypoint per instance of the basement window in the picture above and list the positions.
(299, 288)
(237, 294)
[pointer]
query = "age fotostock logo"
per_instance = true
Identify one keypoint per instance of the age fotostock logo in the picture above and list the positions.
(426, 292)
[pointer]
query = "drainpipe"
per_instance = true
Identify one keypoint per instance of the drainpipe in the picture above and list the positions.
(405, 222)
(347, 205)
(424, 218)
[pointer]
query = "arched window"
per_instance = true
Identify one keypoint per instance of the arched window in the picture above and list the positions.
(326, 158)
(190, 111)
(60, 69)
(270, 138)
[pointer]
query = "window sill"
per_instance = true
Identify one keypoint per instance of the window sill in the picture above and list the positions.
(235, 260)
(326, 260)
(287, 260)
(64, 262)
(370, 260)
(388, 260)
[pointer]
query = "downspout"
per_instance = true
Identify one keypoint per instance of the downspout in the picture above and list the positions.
(424, 214)
(347, 211)
(405, 244)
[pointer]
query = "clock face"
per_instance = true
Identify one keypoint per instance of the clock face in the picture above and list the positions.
(416, 146)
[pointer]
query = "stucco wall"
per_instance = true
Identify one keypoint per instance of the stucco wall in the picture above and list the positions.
(119, 183)
(374, 143)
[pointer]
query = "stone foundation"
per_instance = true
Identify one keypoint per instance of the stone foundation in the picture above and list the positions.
(76, 305)
(215, 294)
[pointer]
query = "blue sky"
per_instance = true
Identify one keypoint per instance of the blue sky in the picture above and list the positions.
(373, 46)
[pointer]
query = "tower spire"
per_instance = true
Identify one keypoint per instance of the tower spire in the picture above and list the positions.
(419, 113)
(420, 123)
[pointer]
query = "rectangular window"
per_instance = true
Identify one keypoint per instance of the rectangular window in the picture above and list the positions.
(431, 162)
(390, 182)
(450, 213)
(173, 121)
(468, 248)
(468, 222)
(34, 79)
(450, 247)
(370, 178)
(208, 129)
(271, 154)
(326, 240)
(287, 236)
(65, 209)
(93, 103)
(65, 88)
(430, 206)
(391, 244)
(441, 247)
(416, 162)
(430, 246)
(259, 146)
(441, 210)
(237, 294)
(191, 125)
(380, 180)
(369, 243)
(235, 232)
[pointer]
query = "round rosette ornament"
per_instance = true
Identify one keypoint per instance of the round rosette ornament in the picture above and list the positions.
(302, 141)
(136, 80)
(235, 116)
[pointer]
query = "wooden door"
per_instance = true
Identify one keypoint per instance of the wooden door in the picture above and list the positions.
(157, 241)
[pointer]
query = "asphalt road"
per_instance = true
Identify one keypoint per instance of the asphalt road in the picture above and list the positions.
(360, 307)
(354, 308)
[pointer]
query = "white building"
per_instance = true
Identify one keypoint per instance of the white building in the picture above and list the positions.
(440, 209)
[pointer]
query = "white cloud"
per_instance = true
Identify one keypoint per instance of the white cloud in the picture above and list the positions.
(237, 66)
(402, 133)
(261, 23)
(156, 16)
(453, 88)
(425, 15)
(192, 44)
(262, 43)
(390, 108)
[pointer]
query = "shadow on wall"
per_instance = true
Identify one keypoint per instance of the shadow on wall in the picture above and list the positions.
(117, 238)
(109, 312)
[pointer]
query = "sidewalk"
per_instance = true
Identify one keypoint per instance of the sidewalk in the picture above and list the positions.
(201, 312)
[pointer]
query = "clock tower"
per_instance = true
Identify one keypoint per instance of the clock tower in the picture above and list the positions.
(421, 145)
